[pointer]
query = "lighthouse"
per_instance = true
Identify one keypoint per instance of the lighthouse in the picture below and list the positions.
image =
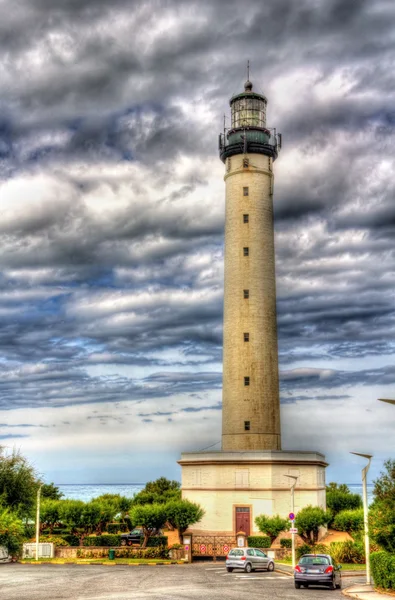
(250, 475)
(250, 405)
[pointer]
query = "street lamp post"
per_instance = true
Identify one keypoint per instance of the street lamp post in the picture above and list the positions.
(38, 521)
(388, 400)
(365, 511)
(293, 512)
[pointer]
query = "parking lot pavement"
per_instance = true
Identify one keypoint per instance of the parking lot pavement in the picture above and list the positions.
(173, 582)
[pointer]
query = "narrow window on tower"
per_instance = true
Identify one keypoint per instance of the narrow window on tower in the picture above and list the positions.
(229, 164)
(245, 191)
(246, 381)
(246, 251)
(246, 163)
(246, 426)
(246, 218)
(246, 337)
(246, 294)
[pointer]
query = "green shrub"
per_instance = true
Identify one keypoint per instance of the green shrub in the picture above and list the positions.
(157, 541)
(286, 543)
(53, 539)
(72, 540)
(349, 520)
(258, 541)
(383, 569)
(117, 527)
(102, 540)
(348, 552)
(307, 549)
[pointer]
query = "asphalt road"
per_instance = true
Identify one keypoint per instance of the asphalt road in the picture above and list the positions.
(123, 582)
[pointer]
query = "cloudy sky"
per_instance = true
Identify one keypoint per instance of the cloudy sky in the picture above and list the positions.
(112, 215)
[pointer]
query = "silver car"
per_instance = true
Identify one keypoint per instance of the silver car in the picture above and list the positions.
(248, 559)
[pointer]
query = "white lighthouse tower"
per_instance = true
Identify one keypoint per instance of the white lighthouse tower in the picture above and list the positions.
(251, 406)
(251, 474)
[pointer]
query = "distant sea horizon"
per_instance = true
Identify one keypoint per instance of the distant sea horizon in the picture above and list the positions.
(88, 491)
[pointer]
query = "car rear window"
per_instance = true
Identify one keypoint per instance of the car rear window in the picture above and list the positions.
(314, 560)
(236, 552)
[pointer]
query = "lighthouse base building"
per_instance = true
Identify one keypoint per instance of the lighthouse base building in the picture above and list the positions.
(235, 487)
(252, 475)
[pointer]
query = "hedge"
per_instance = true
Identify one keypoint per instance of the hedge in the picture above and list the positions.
(102, 540)
(158, 540)
(286, 543)
(259, 541)
(115, 540)
(159, 552)
(383, 569)
(72, 540)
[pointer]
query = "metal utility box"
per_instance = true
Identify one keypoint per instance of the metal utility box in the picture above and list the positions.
(45, 550)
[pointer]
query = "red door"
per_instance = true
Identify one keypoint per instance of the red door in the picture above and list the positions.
(243, 519)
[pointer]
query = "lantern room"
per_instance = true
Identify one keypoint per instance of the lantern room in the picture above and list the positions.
(248, 109)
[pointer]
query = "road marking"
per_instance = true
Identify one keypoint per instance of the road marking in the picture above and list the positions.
(260, 577)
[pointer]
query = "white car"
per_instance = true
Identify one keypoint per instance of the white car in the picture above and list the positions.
(4, 556)
(248, 559)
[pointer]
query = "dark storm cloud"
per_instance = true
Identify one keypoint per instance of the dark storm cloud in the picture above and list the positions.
(111, 225)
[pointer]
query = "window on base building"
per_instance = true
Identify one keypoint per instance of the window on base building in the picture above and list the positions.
(246, 294)
(246, 337)
(246, 426)
(246, 218)
(242, 479)
(246, 251)
(246, 381)
(245, 191)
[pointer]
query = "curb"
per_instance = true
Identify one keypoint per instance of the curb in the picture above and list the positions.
(276, 570)
(107, 563)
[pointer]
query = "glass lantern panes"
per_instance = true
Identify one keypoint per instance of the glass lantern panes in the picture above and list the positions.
(248, 112)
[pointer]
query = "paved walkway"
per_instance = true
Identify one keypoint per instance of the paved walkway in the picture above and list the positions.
(365, 592)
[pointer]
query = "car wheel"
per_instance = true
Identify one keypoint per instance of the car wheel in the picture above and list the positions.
(229, 569)
(130, 542)
(297, 585)
(270, 566)
(248, 568)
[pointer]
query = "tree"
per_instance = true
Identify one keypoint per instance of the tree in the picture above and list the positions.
(382, 510)
(151, 517)
(11, 530)
(160, 491)
(18, 483)
(183, 513)
(338, 487)
(120, 505)
(309, 520)
(71, 514)
(271, 526)
(50, 491)
(49, 513)
(339, 498)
